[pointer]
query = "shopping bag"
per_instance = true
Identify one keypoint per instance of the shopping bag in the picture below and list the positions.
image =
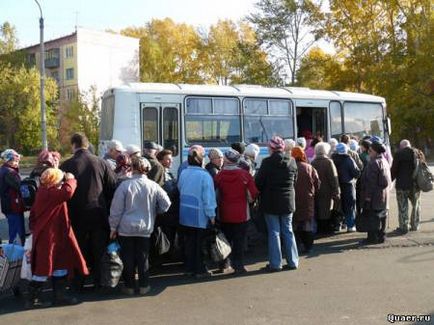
(26, 267)
(111, 266)
(368, 220)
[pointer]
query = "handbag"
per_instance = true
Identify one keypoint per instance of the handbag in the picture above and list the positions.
(423, 177)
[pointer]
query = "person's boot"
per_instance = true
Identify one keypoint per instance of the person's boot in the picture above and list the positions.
(59, 296)
(33, 299)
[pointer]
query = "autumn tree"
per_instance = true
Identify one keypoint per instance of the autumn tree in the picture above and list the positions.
(287, 29)
(232, 56)
(387, 50)
(20, 119)
(169, 52)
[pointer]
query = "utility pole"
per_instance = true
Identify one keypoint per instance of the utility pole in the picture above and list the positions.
(42, 77)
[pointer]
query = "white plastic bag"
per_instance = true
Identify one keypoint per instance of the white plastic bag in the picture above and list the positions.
(26, 268)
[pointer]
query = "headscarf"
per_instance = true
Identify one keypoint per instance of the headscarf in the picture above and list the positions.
(341, 148)
(252, 150)
(198, 148)
(276, 144)
(215, 153)
(10, 154)
(301, 142)
(298, 154)
(51, 177)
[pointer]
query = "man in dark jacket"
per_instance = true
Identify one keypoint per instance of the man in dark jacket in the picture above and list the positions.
(403, 167)
(275, 181)
(157, 172)
(90, 203)
(348, 172)
(11, 203)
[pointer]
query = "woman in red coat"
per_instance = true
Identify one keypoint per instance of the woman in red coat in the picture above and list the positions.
(55, 252)
(235, 188)
(306, 187)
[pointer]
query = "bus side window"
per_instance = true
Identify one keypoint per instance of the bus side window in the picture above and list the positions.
(170, 129)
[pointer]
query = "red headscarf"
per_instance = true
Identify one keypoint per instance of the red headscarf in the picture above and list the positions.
(298, 154)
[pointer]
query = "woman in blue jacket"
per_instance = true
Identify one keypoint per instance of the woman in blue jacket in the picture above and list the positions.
(196, 210)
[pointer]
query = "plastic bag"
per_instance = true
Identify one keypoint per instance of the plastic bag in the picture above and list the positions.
(111, 267)
(217, 247)
(160, 242)
(26, 267)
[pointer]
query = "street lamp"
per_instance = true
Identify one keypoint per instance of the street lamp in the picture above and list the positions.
(42, 75)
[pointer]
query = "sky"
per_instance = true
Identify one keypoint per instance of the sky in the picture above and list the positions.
(61, 16)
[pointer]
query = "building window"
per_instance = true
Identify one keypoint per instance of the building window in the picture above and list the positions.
(70, 74)
(55, 75)
(69, 52)
(70, 94)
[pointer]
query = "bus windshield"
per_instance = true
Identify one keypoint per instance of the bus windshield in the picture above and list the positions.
(264, 118)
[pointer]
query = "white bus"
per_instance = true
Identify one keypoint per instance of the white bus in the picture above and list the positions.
(179, 115)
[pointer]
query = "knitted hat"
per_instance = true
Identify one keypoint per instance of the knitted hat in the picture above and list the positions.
(276, 144)
(232, 156)
(301, 142)
(51, 177)
(341, 148)
(215, 153)
(289, 144)
(298, 154)
(46, 157)
(252, 150)
(10, 154)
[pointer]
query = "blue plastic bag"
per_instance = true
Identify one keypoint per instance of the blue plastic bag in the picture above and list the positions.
(13, 252)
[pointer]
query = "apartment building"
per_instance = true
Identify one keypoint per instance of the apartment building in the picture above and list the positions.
(88, 58)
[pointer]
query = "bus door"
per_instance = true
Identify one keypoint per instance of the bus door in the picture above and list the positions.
(311, 118)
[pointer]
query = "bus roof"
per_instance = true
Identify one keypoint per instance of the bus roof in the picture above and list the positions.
(245, 91)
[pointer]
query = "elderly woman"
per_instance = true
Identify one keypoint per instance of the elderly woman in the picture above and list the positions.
(329, 192)
(196, 210)
(306, 187)
(289, 145)
(55, 251)
(235, 187)
(215, 161)
(11, 202)
(348, 172)
(250, 155)
(275, 180)
(135, 205)
(376, 182)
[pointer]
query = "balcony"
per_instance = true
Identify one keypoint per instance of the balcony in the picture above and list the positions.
(52, 58)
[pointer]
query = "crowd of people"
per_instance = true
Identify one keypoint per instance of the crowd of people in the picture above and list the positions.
(304, 188)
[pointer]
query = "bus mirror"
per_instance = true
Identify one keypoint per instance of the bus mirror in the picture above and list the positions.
(389, 125)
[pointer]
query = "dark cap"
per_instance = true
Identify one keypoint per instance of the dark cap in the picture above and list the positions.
(150, 145)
